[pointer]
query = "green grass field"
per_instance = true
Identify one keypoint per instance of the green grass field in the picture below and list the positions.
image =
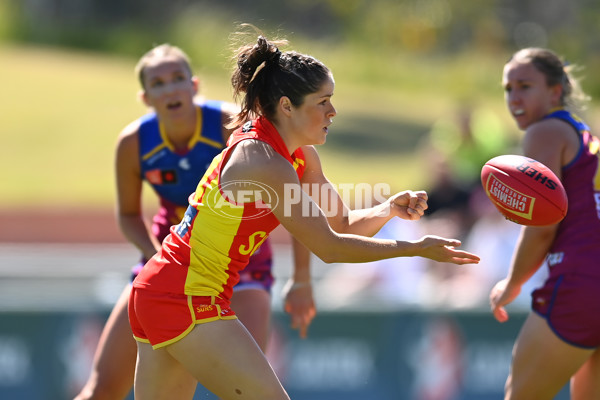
(62, 111)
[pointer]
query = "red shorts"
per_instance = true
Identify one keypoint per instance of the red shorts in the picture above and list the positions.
(571, 305)
(163, 318)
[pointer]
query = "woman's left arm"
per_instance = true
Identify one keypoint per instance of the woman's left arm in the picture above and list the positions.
(548, 142)
(298, 292)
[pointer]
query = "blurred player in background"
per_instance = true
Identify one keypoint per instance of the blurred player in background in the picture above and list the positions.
(559, 340)
(179, 307)
(171, 148)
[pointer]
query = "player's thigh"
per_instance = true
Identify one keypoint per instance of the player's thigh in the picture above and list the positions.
(253, 308)
(116, 351)
(158, 376)
(542, 363)
(586, 382)
(226, 360)
(113, 367)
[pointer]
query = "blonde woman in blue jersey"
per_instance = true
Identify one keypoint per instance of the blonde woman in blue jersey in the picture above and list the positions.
(170, 148)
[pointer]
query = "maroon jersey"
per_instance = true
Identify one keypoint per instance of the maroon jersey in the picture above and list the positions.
(569, 298)
(576, 248)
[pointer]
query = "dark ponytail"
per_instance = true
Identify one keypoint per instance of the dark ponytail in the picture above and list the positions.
(264, 74)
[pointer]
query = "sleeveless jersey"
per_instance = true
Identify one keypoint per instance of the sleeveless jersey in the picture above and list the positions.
(203, 255)
(174, 175)
(576, 248)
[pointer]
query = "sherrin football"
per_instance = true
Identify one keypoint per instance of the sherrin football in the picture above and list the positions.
(524, 190)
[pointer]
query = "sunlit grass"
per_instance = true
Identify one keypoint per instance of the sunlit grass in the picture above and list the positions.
(62, 112)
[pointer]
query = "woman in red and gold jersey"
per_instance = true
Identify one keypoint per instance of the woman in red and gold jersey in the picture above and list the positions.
(170, 148)
(179, 307)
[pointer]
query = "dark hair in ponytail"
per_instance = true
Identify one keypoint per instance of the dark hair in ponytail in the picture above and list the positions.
(263, 74)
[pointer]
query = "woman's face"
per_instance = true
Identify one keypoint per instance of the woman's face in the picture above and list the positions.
(168, 86)
(527, 94)
(312, 119)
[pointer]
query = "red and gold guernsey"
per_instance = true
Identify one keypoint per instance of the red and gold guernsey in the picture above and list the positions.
(204, 253)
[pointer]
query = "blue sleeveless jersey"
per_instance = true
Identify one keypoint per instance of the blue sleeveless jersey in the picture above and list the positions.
(174, 175)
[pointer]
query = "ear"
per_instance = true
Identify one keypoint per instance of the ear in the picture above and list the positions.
(196, 84)
(556, 92)
(285, 105)
(142, 96)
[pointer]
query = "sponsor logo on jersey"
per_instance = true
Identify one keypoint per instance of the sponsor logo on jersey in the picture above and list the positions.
(161, 176)
(184, 226)
(555, 258)
(204, 308)
(184, 163)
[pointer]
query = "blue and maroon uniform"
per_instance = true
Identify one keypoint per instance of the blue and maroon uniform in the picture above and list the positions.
(174, 175)
(569, 299)
(191, 279)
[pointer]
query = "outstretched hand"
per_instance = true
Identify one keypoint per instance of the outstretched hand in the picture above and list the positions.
(410, 205)
(299, 303)
(443, 250)
(502, 294)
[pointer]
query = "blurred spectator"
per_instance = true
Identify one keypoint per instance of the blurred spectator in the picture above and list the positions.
(395, 281)
(456, 148)
(467, 140)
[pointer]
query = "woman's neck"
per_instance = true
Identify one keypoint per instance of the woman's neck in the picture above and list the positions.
(287, 136)
(180, 130)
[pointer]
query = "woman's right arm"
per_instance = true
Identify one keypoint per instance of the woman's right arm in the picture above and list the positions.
(553, 143)
(129, 193)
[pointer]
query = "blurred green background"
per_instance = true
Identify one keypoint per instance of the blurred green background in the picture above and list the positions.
(400, 66)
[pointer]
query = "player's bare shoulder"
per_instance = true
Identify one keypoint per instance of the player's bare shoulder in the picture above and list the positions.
(128, 137)
(255, 159)
(127, 147)
(553, 136)
(549, 130)
(251, 153)
(311, 155)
